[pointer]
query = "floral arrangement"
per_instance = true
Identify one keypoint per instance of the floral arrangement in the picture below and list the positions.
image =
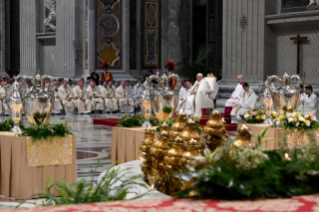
(7, 125)
(135, 121)
(254, 117)
(296, 120)
(232, 172)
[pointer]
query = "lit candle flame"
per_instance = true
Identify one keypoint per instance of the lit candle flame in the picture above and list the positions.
(287, 156)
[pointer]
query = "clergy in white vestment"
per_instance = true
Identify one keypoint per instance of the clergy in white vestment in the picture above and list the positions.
(108, 95)
(130, 88)
(311, 101)
(65, 95)
(302, 97)
(138, 88)
(95, 96)
(194, 101)
(183, 95)
(124, 97)
(248, 102)
(236, 96)
(5, 91)
(57, 107)
(80, 99)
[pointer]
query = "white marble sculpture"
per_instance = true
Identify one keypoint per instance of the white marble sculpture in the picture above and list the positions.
(313, 5)
(50, 21)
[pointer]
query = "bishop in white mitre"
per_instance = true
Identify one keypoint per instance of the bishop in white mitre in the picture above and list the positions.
(80, 99)
(65, 95)
(108, 95)
(236, 96)
(194, 101)
(248, 102)
(95, 96)
(123, 94)
(310, 103)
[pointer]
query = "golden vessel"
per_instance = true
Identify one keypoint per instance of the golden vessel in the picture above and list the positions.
(243, 137)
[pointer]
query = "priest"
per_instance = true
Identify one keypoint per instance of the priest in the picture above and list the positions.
(57, 107)
(65, 95)
(248, 102)
(123, 95)
(94, 94)
(80, 99)
(108, 96)
(236, 96)
(183, 95)
(310, 103)
(194, 101)
(302, 97)
(138, 88)
(3, 106)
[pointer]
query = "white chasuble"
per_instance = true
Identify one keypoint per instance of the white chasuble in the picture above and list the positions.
(124, 96)
(311, 104)
(237, 95)
(64, 94)
(108, 95)
(94, 95)
(81, 101)
(248, 102)
(300, 106)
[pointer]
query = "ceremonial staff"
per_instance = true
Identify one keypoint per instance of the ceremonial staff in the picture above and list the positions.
(304, 87)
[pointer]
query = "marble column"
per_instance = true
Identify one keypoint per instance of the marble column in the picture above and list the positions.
(174, 31)
(65, 38)
(28, 41)
(91, 28)
(244, 51)
(2, 37)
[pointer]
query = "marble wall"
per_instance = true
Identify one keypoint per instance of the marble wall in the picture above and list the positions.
(244, 51)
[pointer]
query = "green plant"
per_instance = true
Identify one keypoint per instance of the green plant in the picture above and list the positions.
(232, 172)
(7, 125)
(135, 121)
(46, 131)
(167, 109)
(39, 118)
(113, 186)
(198, 66)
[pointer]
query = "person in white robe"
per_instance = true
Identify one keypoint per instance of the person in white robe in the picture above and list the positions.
(247, 103)
(236, 96)
(65, 95)
(57, 107)
(80, 99)
(183, 95)
(194, 101)
(108, 95)
(302, 97)
(138, 88)
(5, 91)
(310, 103)
(95, 97)
(130, 88)
(124, 97)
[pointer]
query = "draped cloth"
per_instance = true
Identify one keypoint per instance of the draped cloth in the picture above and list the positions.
(237, 94)
(79, 94)
(97, 101)
(108, 95)
(248, 102)
(106, 76)
(194, 101)
(311, 104)
(64, 94)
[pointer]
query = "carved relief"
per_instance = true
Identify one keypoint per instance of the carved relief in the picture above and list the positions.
(109, 3)
(109, 25)
(50, 21)
(151, 48)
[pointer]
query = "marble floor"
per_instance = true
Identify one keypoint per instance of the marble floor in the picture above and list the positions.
(92, 142)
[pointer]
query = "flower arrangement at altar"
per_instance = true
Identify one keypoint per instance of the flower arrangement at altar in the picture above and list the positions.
(254, 117)
(296, 120)
(235, 172)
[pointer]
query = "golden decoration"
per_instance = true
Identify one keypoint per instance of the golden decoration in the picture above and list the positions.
(45, 153)
(178, 126)
(215, 131)
(243, 137)
(109, 53)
